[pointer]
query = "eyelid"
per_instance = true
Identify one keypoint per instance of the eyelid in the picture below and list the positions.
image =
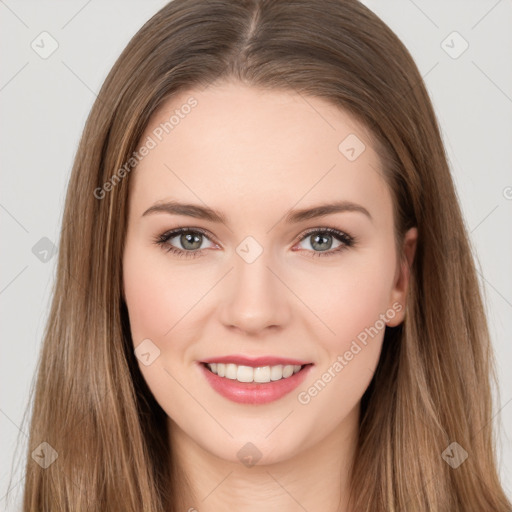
(323, 229)
(171, 233)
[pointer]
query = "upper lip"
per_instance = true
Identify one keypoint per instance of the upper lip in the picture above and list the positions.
(255, 361)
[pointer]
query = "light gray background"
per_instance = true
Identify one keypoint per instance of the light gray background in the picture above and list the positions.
(44, 104)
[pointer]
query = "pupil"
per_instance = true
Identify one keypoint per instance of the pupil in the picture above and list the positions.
(189, 238)
(318, 244)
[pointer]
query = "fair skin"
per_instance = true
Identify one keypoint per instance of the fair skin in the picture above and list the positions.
(254, 156)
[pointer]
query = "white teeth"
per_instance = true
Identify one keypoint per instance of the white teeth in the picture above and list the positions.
(262, 374)
(231, 371)
(249, 374)
(244, 374)
(287, 371)
(276, 372)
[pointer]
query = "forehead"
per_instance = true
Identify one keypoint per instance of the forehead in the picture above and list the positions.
(259, 149)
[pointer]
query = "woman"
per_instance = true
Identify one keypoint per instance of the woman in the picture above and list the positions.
(216, 362)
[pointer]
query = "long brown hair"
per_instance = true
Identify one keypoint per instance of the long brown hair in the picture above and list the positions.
(433, 384)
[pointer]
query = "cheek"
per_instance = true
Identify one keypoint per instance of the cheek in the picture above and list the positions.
(356, 307)
(355, 310)
(156, 298)
(351, 298)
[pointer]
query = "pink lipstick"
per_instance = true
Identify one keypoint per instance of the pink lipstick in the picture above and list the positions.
(254, 380)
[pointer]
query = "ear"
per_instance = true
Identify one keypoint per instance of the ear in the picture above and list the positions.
(402, 277)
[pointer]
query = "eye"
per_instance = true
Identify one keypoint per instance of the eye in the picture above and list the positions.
(190, 240)
(320, 241)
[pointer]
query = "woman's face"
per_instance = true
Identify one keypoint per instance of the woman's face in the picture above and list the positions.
(255, 275)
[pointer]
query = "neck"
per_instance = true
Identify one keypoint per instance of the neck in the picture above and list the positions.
(314, 479)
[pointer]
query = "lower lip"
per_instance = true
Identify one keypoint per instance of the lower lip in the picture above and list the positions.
(253, 392)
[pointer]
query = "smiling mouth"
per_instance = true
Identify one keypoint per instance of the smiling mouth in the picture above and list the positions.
(249, 374)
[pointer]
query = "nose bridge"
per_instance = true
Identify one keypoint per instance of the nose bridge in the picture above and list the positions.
(254, 298)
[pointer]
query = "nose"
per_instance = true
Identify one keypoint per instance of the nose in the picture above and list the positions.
(254, 297)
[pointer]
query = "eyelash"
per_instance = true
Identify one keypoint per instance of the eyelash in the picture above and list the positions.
(346, 239)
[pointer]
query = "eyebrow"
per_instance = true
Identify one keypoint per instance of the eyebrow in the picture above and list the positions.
(293, 217)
